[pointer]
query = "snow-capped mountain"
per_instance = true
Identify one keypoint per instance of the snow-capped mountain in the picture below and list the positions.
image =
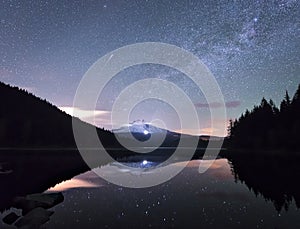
(142, 131)
(139, 127)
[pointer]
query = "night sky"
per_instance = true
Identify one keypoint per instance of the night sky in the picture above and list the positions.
(251, 47)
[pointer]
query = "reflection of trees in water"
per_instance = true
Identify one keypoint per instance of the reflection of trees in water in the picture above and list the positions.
(275, 178)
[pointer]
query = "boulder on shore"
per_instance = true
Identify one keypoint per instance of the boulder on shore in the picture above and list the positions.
(35, 218)
(33, 201)
(10, 218)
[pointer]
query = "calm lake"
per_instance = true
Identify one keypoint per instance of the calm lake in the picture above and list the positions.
(218, 198)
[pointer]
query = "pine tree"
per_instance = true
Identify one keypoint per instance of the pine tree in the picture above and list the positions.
(274, 108)
(296, 98)
(285, 104)
(230, 128)
(287, 98)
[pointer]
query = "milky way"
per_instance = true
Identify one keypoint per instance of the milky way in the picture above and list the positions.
(251, 47)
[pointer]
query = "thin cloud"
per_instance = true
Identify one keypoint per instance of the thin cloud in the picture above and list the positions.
(233, 104)
(74, 111)
(202, 131)
(94, 117)
(229, 104)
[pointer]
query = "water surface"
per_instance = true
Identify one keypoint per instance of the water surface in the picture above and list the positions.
(214, 199)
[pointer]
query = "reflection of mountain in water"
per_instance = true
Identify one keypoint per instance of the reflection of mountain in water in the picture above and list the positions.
(273, 177)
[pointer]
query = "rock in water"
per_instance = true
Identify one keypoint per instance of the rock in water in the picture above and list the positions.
(37, 200)
(34, 219)
(10, 218)
(5, 168)
(50, 199)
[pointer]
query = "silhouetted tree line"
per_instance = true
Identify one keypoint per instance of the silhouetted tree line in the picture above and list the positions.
(28, 121)
(267, 126)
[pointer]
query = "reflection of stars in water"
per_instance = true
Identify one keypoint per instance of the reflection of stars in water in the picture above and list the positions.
(168, 205)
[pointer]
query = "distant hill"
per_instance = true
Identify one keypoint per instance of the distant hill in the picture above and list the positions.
(142, 131)
(28, 121)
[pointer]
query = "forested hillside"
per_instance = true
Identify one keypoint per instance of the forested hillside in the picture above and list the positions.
(267, 126)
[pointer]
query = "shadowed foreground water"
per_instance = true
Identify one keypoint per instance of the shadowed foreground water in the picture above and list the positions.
(232, 193)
